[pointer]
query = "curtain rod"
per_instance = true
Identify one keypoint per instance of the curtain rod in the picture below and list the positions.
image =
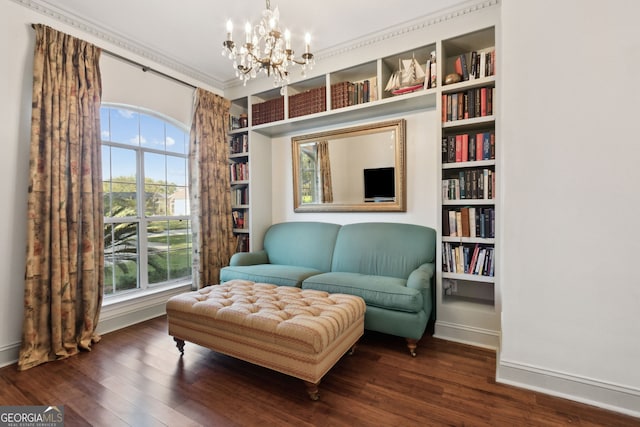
(143, 67)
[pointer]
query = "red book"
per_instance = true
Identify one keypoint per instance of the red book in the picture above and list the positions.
(458, 148)
(483, 101)
(465, 147)
(444, 108)
(479, 139)
(458, 66)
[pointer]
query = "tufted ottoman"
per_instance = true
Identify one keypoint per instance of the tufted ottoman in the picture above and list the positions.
(301, 333)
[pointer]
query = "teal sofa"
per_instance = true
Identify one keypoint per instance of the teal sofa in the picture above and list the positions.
(390, 265)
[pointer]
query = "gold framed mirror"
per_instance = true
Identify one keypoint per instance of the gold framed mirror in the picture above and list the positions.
(357, 169)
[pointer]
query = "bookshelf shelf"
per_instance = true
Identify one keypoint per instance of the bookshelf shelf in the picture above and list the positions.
(469, 164)
(468, 303)
(464, 202)
(468, 277)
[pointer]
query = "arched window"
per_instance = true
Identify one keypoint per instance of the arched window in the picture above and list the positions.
(147, 225)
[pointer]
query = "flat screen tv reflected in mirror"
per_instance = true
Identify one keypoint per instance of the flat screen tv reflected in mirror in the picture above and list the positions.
(379, 185)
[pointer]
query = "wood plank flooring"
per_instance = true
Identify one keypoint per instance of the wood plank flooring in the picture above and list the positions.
(136, 377)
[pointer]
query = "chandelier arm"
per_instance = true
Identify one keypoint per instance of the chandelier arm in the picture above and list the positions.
(267, 38)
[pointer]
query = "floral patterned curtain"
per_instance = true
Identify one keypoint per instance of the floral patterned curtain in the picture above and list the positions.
(210, 188)
(325, 171)
(65, 234)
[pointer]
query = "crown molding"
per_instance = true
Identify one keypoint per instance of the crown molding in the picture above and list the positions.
(46, 8)
(410, 27)
(467, 8)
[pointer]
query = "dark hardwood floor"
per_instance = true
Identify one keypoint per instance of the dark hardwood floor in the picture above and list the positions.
(136, 377)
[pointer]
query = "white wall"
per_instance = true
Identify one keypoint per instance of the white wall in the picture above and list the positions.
(571, 277)
(122, 83)
(422, 179)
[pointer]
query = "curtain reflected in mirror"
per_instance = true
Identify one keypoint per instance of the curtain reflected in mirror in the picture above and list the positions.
(324, 162)
(354, 169)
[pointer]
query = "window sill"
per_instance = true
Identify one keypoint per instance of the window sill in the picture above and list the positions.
(126, 309)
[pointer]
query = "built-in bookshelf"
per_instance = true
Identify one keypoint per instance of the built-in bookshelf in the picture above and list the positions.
(467, 298)
(239, 178)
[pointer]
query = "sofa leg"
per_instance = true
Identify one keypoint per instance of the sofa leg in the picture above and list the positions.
(180, 345)
(412, 344)
(312, 390)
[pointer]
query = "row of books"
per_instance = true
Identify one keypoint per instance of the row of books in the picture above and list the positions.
(308, 102)
(345, 94)
(476, 64)
(468, 104)
(268, 111)
(238, 219)
(239, 143)
(468, 147)
(476, 183)
(240, 196)
(239, 171)
(469, 221)
(468, 259)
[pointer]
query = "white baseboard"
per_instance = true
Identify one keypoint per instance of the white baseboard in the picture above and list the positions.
(604, 395)
(467, 335)
(116, 314)
(9, 354)
(129, 311)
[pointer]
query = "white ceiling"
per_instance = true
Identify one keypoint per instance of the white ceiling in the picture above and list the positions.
(187, 35)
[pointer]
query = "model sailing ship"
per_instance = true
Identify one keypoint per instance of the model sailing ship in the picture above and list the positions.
(411, 77)
(408, 78)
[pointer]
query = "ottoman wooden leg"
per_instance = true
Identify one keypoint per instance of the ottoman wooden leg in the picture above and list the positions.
(180, 345)
(352, 350)
(312, 390)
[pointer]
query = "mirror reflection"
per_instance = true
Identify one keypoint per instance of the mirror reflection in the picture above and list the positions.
(355, 169)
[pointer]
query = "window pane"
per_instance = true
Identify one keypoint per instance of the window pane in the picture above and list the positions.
(106, 163)
(157, 248)
(106, 179)
(124, 126)
(123, 199)
(155, 199)
(177, 170)
(151, 132)
(155, 169)
(123, 164)
(176, 139)
(179, 201)
(104, 124)
(179, 249)
(121, 256)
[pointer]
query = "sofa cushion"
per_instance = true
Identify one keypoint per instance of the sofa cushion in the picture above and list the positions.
(378, 291)
(304, 244)
(281, 275)
(383, 249)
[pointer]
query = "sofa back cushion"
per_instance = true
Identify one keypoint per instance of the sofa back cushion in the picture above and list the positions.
(383, 249)
(305, 244)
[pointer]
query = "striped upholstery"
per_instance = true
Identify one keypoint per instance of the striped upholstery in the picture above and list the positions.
(302, 333)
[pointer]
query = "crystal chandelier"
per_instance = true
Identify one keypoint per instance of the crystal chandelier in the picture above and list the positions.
(265, 49)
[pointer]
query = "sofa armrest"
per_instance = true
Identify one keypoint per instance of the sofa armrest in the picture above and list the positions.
(421, 277)
(249, 258)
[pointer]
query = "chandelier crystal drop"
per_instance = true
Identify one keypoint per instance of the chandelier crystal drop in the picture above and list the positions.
(266, 49)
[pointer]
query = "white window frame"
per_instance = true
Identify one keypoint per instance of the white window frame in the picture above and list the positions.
(142, 220)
